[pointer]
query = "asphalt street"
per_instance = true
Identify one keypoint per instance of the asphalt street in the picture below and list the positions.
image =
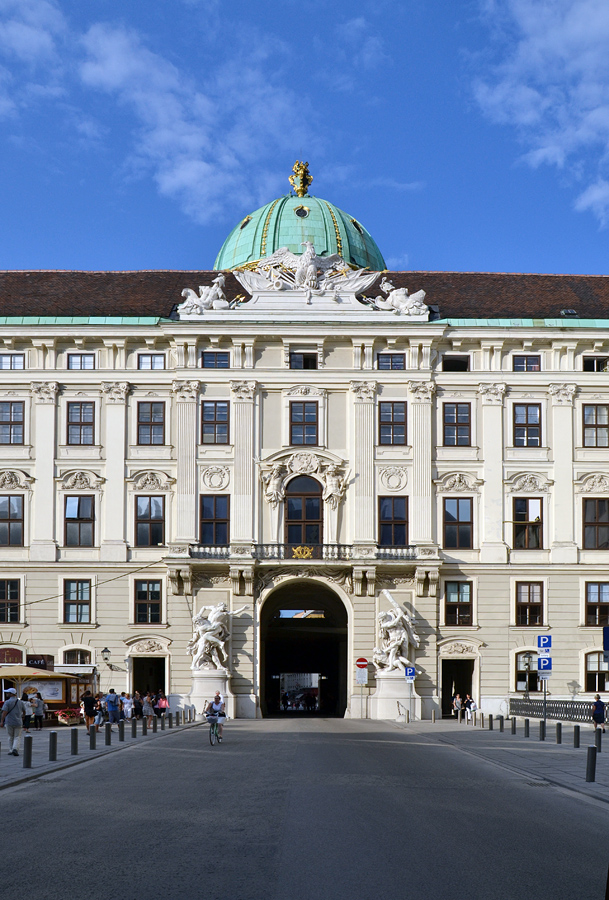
(296, 810)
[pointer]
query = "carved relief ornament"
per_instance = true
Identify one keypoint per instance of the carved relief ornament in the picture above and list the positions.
(491, 394)
(81, 481)
(186, 390)
(596, 483)
(44, 391)
(216, 478)
(393, 478)
(13, 480)
(116, 392)
(306, 390)
(148, 647)
(273, 577)
(422, 391)
(529, 483)
(458, 483)
(562, 394)
(458, 648)
(152, 481)
(364, 390)
(243, 390)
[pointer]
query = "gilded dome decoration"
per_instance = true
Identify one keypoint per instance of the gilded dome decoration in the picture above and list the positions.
(293, 219)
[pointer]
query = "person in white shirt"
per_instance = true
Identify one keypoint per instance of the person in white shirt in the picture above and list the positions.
(127, 702)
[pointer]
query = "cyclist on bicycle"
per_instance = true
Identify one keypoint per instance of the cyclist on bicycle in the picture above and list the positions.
(215, 711)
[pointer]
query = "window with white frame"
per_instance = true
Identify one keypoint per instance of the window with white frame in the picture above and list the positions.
(151, 360)
(77, 601)
(597, 603)
(526, 672)
(10, 600)
(81, 361)
(12, 360)
(597, 672)
(458, 603)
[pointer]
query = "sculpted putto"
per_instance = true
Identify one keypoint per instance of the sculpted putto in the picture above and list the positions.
(211, 632)
(209, 297)
(400, 301)
(397, 634)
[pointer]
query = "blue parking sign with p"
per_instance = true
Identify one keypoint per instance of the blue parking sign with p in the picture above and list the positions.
(544, 664)
(544, 641)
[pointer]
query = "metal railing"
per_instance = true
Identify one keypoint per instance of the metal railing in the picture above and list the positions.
(304, 551)
(567, 710)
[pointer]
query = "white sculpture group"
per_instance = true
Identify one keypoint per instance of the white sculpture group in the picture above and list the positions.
(398, 638)
(333, 480)
(400, 302)
(209, 297)
(210, 634)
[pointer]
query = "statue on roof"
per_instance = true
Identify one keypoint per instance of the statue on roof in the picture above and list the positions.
(400, 302)
(209, 297)
(301, 179)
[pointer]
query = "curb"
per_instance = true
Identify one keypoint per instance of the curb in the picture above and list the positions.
(79, 760)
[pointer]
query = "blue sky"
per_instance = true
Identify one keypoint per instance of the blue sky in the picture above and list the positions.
(468, 136)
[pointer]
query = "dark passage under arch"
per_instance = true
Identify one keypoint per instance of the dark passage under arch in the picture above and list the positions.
(304, 630)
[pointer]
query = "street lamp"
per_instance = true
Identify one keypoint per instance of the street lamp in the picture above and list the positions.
(105, 655)
(528, 659)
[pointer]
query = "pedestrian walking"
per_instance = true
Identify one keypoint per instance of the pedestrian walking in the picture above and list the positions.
(470, 707)
(598, 713)
(99, 711)
(148, 708)
(12, 719)
(127, 705)
(138, 706)
(113, 704)
(39, 708)
(27, 715)
(162, 704)
(89, 703)
(457, 704)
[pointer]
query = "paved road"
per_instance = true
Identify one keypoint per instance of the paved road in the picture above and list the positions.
(299, 810)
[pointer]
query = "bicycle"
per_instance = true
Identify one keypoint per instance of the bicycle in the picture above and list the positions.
(213, 729)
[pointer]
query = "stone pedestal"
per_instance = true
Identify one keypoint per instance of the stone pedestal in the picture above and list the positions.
(391, 687)
(205, 683)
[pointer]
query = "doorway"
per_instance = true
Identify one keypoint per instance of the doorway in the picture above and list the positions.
(148, 674)
(457, 676)
(303, 635)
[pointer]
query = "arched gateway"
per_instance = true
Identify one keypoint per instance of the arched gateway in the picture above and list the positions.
(303, 650)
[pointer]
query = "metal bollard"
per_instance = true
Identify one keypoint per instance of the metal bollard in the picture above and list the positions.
(53, 746)
(121, 730)
(513, 724)
(28, 740)
(527, 727)
(490, 722)
(558, 733)
(501, 723)
(597, 739)
(170, 720)
(408, 717)
(433, 715)
(133, 728)
(177, 717)
(475, 719)
(93, 737)
(162, 723)
(591, 764)
(481, 720)
(74, 741)
(144, 726)
(190, 715)
(155, 724)
(108, 730)
(576, 736)
(542, 730)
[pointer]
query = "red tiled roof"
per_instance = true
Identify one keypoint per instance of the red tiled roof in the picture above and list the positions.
(150, 293)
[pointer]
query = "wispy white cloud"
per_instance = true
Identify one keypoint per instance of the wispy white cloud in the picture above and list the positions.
(397, 263)
(362, 45)
(552, 83)
(395, 185)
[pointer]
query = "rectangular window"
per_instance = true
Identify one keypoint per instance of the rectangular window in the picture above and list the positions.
(529, 603)
(77, 602)
(79, 521)
(151, 423)
(390, 361)
(597, 603)
(526, 363)
(392, 423)
(303, 360)
(9, 601)
(596, 363)
(596, 425)
(458, 603)
(527, 425)
(76, 657)
(11, 422)
(81, 360)
(458, 523)
(303, 423)
(215, 359)
(454, 363)
(215, 531)
(596, 524)
(149, 521)
(526, 673)
(528, 523)
(147, 602)
(214, 424)
(12, 360)
(393, 521)
(457, 424)
(81, 423)
(11, 520)
(597, 673)
(151, 360)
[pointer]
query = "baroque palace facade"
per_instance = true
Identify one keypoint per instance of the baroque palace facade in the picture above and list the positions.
(296, 438)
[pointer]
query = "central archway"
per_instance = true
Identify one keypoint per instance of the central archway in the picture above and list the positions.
(303, 631)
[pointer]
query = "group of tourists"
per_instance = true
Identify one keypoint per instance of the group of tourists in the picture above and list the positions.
(116, 707)
(468, 705)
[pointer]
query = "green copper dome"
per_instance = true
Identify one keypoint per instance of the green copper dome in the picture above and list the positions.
(290, 220)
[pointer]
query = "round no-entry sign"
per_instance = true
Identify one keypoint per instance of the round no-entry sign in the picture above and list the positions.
(361, 663)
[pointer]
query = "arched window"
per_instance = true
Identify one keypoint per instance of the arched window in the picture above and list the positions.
(597, 673)
(526, 672)
(77, 657)
(303, 512)
(11, 656)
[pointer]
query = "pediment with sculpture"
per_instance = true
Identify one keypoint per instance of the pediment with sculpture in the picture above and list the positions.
(277, 470)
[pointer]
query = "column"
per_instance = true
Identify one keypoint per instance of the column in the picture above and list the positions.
(493, 548)
(421, 497)
(114, 544)
(364, 502)
(242, 501)
(43, 547)
(186, 394)
(563, 547)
